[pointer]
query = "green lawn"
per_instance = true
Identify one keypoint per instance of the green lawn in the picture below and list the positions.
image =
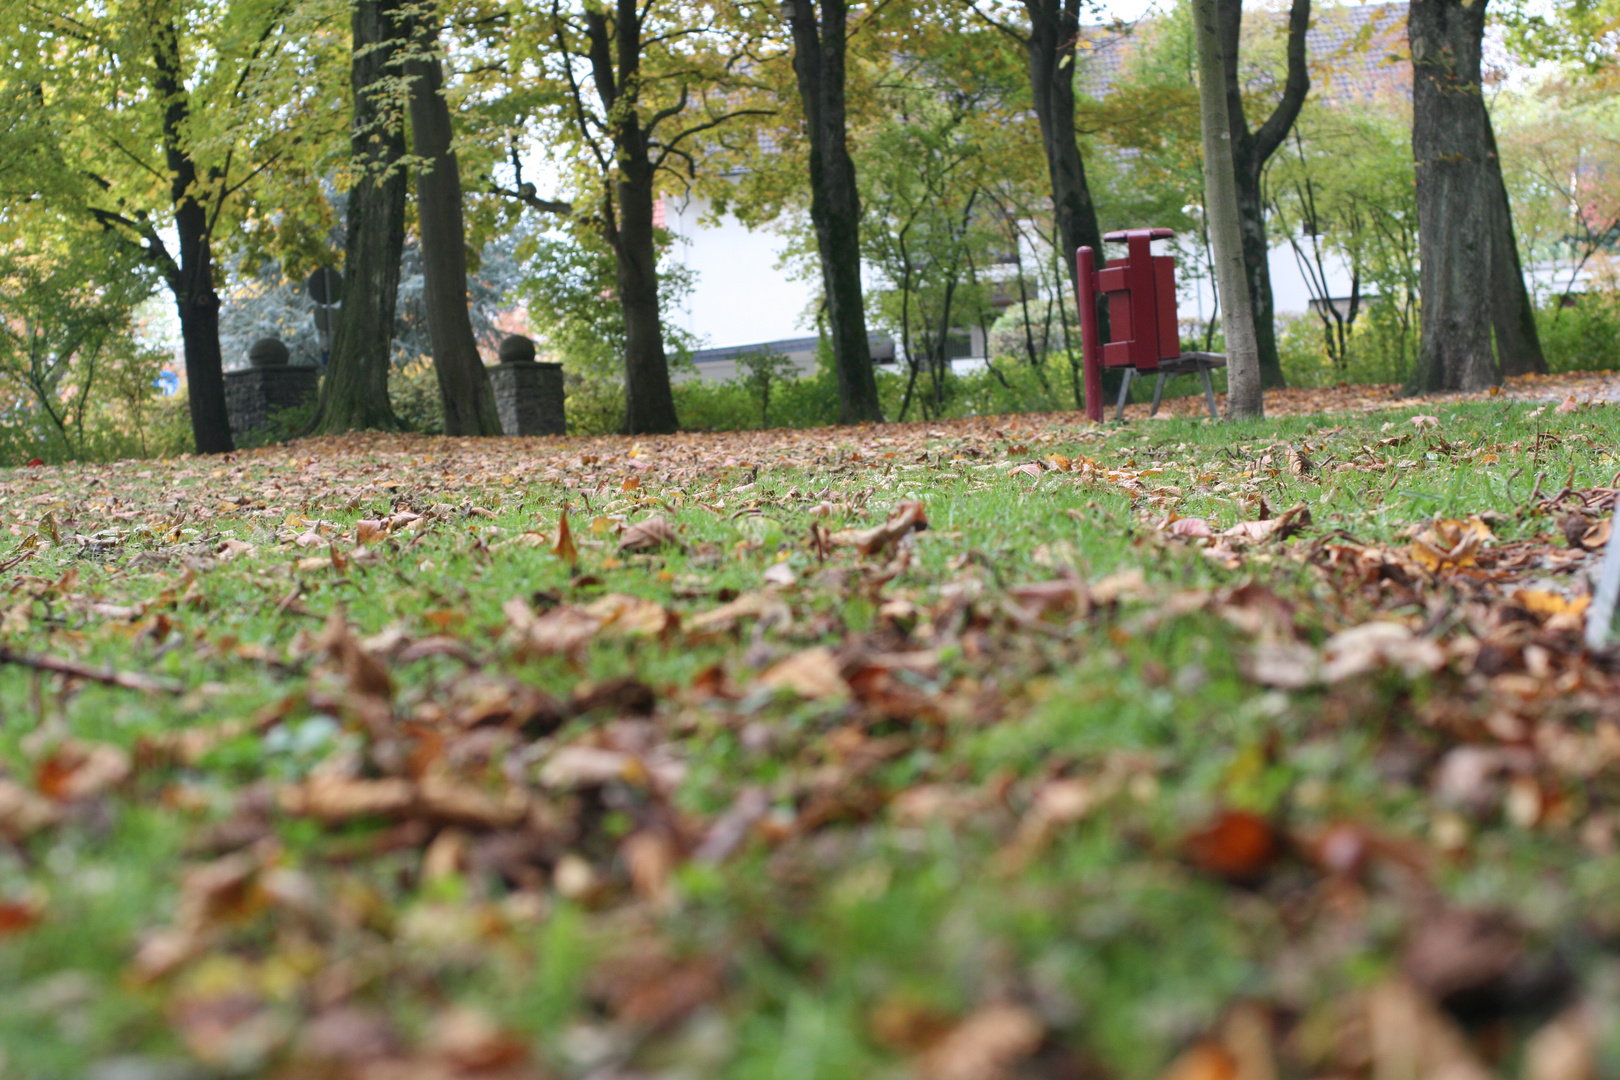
(453, 806)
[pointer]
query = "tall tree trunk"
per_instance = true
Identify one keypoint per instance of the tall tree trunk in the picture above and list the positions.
(354, 392)
(835, 208)
(1250, 152)
(192, 281)
(464, 390)
(1513, 313)
(1243, 397)
(1053, 29)
(627, 219)
(1457, 195)
(649, 402)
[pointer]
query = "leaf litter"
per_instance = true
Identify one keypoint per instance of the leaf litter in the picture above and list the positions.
(786, 679)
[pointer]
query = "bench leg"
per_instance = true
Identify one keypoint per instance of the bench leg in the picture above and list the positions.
(1158, 394)
(1209, 392)
(1124, 394)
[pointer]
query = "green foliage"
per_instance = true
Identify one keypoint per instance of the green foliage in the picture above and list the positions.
(413, 390)
(761, 372)
(1584, 337)
(74, 380)
(1380, 348)
(568, 284)
(594, 403)
(569, 280)
(283, 425)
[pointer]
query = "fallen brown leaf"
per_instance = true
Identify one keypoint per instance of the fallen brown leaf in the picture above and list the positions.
(984, 1046)
(811, 673)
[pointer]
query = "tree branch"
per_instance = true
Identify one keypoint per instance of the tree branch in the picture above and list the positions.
(106, 676)
(525, 194)
(1275, 129)
(152, 251)
(997, 24)
(668, 111)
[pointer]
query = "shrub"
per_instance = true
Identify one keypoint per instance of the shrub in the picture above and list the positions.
(1584, 336)
(413, 390)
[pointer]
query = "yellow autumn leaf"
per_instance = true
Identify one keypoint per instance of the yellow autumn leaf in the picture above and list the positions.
(1546, 604)
(1450, 544)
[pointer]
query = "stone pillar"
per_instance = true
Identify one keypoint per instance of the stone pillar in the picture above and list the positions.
(528, 394)
(253, 394)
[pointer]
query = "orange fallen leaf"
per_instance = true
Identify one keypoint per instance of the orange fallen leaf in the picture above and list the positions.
(565, 549)
(19, 915)
(1204, 1060)
(1238, 846)
(76, 770)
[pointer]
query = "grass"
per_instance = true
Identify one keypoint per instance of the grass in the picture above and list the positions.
(903, 877)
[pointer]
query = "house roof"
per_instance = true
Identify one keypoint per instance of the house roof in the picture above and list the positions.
(1356, 53)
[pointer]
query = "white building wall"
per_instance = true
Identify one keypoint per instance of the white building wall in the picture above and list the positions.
(741, 295)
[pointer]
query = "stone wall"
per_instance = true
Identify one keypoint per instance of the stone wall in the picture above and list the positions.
(253, 394)
(529, 397)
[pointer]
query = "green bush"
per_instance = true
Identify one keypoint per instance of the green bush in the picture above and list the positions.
(281, 426)
(1584, 336)
(143, 427)
(413, 390)
(1380, 349)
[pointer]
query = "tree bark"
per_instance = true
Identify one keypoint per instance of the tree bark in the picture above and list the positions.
(1513, 313)
(1053, 28)
(464, 391)
(1243, 398)
(649, 402)
(627, 219)
(1457, 196)
(818, 63)
(1250, 152)
(354, 392)
(192, 280)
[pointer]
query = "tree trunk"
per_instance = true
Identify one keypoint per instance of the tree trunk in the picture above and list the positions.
(627, 219)
(1250, 152)
(649, 401)
(1513, 313)
(464, 390)
(354, 392)
(1457, 195)
(192, 281)
(835, 207)
(1053, 26)
(1243, 398)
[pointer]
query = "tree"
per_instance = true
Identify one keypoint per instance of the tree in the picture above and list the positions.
(464, 390)
(1458, 195)
(1513, 311)
(1244, 398)
(1049, 44)
(65, 313)
(1250, 152)
(354, 393)
(927, 161)
(626, 91)
(820, 45)
(161, 117)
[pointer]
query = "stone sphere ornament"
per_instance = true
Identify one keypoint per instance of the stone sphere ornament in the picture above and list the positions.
(268, 352)
(517, 349)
